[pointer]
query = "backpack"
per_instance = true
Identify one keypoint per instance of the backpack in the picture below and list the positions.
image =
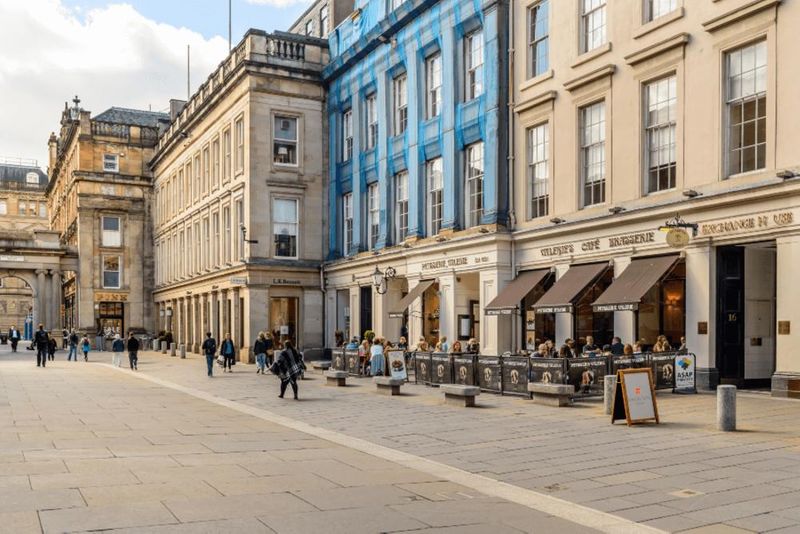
(211, 346)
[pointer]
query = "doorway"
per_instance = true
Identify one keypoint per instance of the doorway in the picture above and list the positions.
(365, 308)
(283, 319)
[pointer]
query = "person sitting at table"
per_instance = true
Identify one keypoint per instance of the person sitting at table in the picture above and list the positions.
(456, 348)
(662, 345)
(565, 351)
(589, 347)
(353, 345)
(627, 350)
(376, 358)
(541, 352)
(617, 348)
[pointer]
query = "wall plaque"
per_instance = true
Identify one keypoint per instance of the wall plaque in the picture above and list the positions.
(702, 328)
(784, 328)
(110, 297)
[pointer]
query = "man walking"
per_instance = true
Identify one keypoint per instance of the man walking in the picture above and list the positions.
(117, 348)
(42, 343)
(13, 337)
(133, 351)
(73, 346)
(210, 349)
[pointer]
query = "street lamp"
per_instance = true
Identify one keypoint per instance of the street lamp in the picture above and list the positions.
(243, 228)
(379, 279)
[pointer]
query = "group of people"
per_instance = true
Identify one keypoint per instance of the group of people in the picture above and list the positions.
(547, 349)
(46, 345)
(119, 345)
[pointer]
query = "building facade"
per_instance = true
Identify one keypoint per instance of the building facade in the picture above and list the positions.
(321, 17)
(418, 124)
(99, 198)
(238, 210)
(630, 119)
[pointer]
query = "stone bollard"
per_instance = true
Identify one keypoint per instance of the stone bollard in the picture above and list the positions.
(163, 347)
(155, 344)
(173, 347)
(182, 350)
(726, 408)
(609, 388)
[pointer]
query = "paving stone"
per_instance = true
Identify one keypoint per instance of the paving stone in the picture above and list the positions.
(355, 497)
(717, 529)
(110, 495)
(208, 509)
(20, 523)
(367, 520)
(763, 522)
(272, 484)
(105, 517)
(226, 526)
(14, 499)
(82, 480)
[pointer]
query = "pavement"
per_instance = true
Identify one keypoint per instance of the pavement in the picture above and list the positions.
(191, 454)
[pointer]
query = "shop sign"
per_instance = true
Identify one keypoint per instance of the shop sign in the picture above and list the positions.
(634, 397)
(397, 364)
(547, 370)
(745, 224)
(628, 306)
(110, 297)
(285, 282)
(501, 311)
(685, 372)
(18, 259)
(461, 261)
(677, 238)
(238, 280)
(554, 309)
(597, 244)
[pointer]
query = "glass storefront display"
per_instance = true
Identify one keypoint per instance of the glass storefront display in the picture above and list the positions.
(283, 318)
(430, 314)
(599, 325)
(111, 318)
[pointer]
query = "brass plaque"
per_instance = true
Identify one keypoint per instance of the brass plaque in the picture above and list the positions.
(784, 328)
(702, 328)
(755, 341)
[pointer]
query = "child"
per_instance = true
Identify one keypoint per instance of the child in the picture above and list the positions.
(52, 345)
(85, 346)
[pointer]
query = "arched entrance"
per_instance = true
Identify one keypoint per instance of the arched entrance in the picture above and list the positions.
(16, 304)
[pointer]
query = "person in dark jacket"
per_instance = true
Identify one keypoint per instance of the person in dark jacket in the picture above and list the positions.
(117, 348)
(133, 351)
(52, 346)
(73, 346)
(210, 350)
(617, 348)
(228, 351)
(290, 366)
(260, 348)
(14, 337)
(41, 341)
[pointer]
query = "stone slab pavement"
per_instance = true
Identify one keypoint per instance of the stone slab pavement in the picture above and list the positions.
(86, 447)
(681, 475)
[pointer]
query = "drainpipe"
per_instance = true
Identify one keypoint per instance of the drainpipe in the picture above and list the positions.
(512, 217)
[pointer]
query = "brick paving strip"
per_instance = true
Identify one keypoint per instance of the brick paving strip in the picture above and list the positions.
(681, 475)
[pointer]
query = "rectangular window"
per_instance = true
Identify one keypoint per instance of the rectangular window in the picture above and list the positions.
(538, 139)
(189, 255)
(181, 188)
(659, 133)
(593, 24)
(347, 135)
(240, 226)
(593, 153)
(371, 106)
(215, 162)
(347, 224)
(433, 86)
(226, 160)
(110, 163)
(206, 244)
(112, 273)
(215, 244)
(474, 184)
(373, 214)
(324, 27)
(32, 208)
(473, 52)
(196, 186)
(400, 95)
(21, 208)
(284, 148)
(433, 177)
(284, 227)
(42, 210)
(188, 182)
(226, 240)
(112, 234)
(3, 207)
(401, 207)
(239, 145)
(310, 27)
(206, 170)
(746, 96)
(658, 8)
(198, 243)
(538, 38)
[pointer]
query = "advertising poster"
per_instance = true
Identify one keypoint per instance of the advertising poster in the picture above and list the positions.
(422, 367)
(441, 369)
(685, 373)
(337, 360)
(397, 364)
(664, 369)
(489, 373)
(351, 361)
(515, 375)
(587, 375)
(464, 370)
(547, 371)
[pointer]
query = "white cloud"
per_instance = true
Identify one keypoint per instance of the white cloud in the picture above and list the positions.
(111, 56)
(278, 3)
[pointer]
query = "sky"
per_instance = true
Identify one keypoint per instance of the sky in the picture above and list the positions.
(126, 53)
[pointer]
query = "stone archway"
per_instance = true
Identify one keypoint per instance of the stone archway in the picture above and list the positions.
(17, 298)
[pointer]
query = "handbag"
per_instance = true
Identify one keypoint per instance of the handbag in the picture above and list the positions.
(275, 369)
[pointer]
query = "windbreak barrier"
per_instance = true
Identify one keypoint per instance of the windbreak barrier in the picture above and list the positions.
(587, 375)
(337, 360)
(441, 369)
(464, 369)
(515, 374)
(351, 363)
(489, 373)
(422, 367)
(547, 370)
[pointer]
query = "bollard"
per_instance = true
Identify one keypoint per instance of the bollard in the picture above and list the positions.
(163, 347)
(172, 349)
(726, 408)
(155, 344)
(609, 388)
(183, 351)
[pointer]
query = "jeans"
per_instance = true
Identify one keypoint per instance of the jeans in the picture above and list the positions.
(133, 358)
(228, 363)
(210, 363)
(261, 361)
(116, 359)
(285, 383)
(73, 353)
(41, 356)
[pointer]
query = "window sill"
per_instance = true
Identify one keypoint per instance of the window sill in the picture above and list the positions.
(661, 21)
(592, 54)
(536, 80)
(286, 166)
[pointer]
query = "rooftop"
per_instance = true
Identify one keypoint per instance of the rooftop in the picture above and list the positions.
(24, 174)
(133, 117)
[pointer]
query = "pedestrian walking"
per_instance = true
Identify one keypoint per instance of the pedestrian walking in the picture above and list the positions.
(73, 346)
(270, 348)
(288, 366)
(14, 337)
(210, 350)
(85, 346)
(117, 348)
(133, 351)
(228, 352)
(260, 348)
(41, 342)
(52, 345)
(64, 338)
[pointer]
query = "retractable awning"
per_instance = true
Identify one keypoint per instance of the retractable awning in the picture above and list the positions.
(561, 296)
(405, 302)
(627, 291)
(509, 298)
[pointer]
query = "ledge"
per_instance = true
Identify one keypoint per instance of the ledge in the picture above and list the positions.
(536, 80)
(738, 14)
(591, 54)
(657, 48)
(597, 74)
(537, 100)
(661, 21)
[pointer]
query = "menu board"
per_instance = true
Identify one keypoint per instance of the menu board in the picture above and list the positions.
(397, 364)
(634, 397)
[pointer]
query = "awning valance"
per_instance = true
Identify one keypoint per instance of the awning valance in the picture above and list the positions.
(565, 291)
(627, 291)
(401, 307)
(510, 296)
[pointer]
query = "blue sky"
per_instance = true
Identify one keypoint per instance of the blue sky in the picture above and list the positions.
(210, 17)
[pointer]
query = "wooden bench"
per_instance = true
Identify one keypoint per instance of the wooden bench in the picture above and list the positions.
(388, 385)
(336, 378)
(321, 366)
(458, 395)
(552, 394)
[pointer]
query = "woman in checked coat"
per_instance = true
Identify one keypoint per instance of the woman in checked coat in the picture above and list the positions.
(289, 366)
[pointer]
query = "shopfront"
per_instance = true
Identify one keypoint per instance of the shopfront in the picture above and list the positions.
(111, 318)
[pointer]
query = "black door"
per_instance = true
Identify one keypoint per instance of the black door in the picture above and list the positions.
(366, 309)
(730, 315)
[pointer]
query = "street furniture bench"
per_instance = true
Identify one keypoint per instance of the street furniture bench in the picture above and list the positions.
(552, 394)
(458, 395)
(322, 366)
(388, 385)
(336, 378)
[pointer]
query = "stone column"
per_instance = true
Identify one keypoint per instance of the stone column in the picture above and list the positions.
(624, 321)
(238, 342)
(447, 307)
(197, 329)
(355, 312)
(214, 327)
(495, 336)
(415, 319)
(40, 315)
(55, 296)
(701, 296)
(225, 321)
(204, 322)
(565, 322)
(786, 380)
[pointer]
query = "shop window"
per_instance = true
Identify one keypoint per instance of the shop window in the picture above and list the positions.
(286, 140)
(284, 227)
(662, 310)
(599, 325)
(111, 318)
(112, 272)
(283, 319)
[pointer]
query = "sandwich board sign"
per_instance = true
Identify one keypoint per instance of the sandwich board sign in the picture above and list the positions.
(634, 397)
(397, 364)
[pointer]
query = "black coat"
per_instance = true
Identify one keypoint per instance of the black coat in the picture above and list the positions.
(133, 344)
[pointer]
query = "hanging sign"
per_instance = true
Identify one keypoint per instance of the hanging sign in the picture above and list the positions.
(677, 237)
(634, 397)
